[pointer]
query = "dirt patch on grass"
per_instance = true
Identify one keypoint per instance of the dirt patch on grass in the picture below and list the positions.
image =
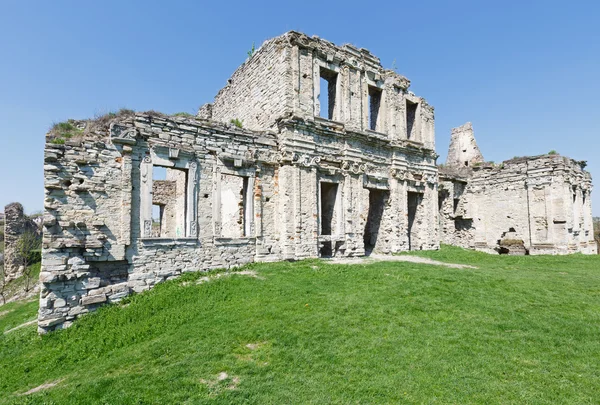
(221, 382)
(42, 387)
(256, 353)
(249, 273)
(21, 326)
(2, 313)
(254, 346)
(390, 258)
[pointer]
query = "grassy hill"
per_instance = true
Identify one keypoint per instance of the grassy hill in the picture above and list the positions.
(517, 330)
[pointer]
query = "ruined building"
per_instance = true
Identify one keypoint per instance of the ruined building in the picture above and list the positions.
(311, 150)
(16, 226)
(527, 205)
(329, 154)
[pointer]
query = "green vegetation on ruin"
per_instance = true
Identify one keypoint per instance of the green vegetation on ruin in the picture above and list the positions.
(184, 114)
(21, 286)
(515, 330)
(64, 131)
(238, 123)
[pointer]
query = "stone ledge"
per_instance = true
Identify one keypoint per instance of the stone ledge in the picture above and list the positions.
(148, 242)
(234, 241)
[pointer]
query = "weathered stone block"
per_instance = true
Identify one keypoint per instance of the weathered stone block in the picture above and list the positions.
(93, 299)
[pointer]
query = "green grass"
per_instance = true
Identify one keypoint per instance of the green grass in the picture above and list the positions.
(14, 314)
(19, 285)
(517, 330)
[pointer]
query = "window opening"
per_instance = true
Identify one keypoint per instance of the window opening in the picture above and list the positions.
(377, 202)
(328, 205)
(414, 200)
(411, 114)
(328, 83)
(374, 106)
(169, 202)
(157, 214)
(234, 206)
(442, 195)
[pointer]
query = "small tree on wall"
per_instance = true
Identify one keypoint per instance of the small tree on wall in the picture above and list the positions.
(27, 252)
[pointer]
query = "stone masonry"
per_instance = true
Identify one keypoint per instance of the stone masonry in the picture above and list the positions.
(527, 205)
(336, 157)
(310, 150)
(16, 224)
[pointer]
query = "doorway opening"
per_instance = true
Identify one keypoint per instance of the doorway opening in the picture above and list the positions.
(377, 202)
(328, 207)
(414, 201)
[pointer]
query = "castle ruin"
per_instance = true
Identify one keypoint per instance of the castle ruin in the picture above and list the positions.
(525, 205)
(311, 150)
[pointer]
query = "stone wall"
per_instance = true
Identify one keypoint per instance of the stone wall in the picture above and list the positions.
(259, 90)
(529, 205)
(289, 185)
(16, 224)
(248, 196)
(283, 79)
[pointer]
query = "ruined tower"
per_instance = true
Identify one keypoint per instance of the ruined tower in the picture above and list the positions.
(16, 224)
(463, 151)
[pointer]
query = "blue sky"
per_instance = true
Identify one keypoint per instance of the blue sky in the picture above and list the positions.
(524, 72)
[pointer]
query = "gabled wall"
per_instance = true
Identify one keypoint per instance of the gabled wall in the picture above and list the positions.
(259, 91)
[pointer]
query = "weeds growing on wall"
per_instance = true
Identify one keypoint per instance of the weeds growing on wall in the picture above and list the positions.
(184, 114)
(238, 123)
(64, 131)
(251, 51)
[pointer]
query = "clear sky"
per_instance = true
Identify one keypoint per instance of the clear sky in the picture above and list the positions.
(526, 73)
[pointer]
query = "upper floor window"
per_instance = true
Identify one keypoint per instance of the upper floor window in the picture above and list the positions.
(374, 107)
(327, 96)
(411, 116)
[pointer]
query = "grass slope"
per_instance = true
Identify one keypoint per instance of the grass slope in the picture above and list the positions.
(518, 330)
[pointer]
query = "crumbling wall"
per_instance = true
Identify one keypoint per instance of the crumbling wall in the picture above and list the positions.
(531, 205)
(302, 187)
(463, 150)
(16, 224)
(258, 93)
(99, 244)
(283, 79)
(457, 225)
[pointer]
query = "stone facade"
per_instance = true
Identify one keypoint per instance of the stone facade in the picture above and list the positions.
(296, 181)
(16, 224)
(529, 205)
